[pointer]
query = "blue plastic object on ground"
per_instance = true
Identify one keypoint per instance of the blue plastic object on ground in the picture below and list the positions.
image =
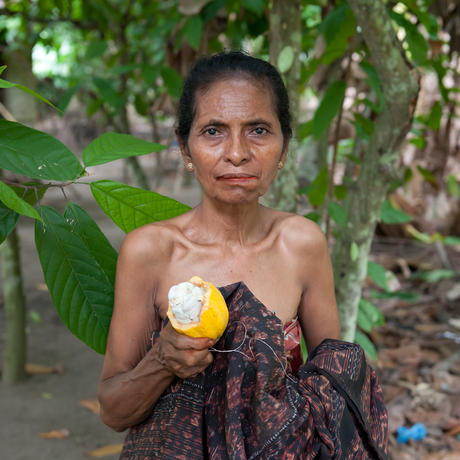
(416, 432)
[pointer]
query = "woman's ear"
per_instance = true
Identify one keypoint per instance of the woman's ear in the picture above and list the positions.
(183, 148)
(285, 150)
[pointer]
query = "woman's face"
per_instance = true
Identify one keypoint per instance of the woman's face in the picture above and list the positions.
(235, 141)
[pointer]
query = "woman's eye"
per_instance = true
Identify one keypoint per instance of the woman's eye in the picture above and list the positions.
(260, 131)
(211, 131)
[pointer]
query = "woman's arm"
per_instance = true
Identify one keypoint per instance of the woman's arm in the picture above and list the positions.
(318, 313)
(132, 380)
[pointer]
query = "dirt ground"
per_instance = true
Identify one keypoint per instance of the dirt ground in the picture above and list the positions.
(49, 402)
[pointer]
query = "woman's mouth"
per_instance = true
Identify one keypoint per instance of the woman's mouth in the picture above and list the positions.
(236, 178)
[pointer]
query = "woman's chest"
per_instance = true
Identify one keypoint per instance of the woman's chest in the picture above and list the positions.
(272, 278)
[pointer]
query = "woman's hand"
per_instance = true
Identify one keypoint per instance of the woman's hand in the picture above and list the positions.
(182, 355)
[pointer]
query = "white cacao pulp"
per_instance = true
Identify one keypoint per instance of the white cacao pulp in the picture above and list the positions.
(185, 301)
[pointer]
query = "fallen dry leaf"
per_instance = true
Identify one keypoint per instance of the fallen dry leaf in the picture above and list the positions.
(91, 404)
(41, 286)
(38, 369)
(56, 434)
(111, 449)
(453, 431)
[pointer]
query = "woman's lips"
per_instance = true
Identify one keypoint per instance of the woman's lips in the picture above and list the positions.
(236, 178)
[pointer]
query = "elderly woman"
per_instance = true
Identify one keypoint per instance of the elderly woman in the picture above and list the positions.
(233, 130)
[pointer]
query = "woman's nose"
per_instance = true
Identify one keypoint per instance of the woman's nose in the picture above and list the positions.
(237, 151)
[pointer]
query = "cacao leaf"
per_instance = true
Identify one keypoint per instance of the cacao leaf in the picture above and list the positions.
(131, 207)
(8, 84)
(98, 244)
(365, 343)
(113, 146)
(32, 153)
(10, 199)
(390, 215)
(80, 290)
(8, 220)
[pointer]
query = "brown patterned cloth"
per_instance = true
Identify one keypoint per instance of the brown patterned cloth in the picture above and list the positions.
(246, 407)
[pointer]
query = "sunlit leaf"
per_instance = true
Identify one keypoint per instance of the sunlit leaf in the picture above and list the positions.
(354, 252)
(373, 314)
(81, 292)
(434, 276)
(419, 142)
(113, 146)
(131, 207)
(285, 59)
(90, 233)
(9, 198)
(453, 187)
(32, 153)
(329, 108)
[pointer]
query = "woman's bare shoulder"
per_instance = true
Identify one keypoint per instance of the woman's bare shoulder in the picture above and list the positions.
(298, 232)
(152, 241)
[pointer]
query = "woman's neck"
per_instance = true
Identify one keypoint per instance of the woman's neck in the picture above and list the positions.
(232, 224)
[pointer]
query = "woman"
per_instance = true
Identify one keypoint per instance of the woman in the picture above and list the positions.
(233, 131)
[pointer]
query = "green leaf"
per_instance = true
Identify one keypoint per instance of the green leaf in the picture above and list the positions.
(94, 107)
(285, 59)
(390, 215)
(113, 146)
(418, 46)
(31, 194)
(331, 24)
(106, 91)
(372, 313)
(211, 9)
(354, 252)
(193, 30)
(172, 81)
(419, 142)
(304, 129)
(140, 105)
(365, 123)
(453, 187)
(131, 207)
(427, 175)
(452, 240)
(329, 108)
(434, 276)
(97, 243)
(150, 74)
(7, 84)
(314, 216)
(35, 154)
(96, 49)
(8, 220)
(366, 344)
(125, 68)
(408, 174)
(337, 213)
(10, 199)
(257, 6)
(80, 290)
(2, 68)
(434, 119)
(363, 321)
(407, 296)
(378, 274)
(340, 192)
(318, 189)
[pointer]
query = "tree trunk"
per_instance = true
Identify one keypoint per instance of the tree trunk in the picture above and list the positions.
(363, 201)
(14, 357)
(286, 30)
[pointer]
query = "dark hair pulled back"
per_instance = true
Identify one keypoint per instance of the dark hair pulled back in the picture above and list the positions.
(226, 65)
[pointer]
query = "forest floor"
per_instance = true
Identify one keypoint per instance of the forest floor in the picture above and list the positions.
(418, 354)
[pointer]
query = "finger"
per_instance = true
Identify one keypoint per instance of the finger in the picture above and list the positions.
(184, 342)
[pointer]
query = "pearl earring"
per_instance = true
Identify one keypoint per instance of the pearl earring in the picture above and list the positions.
(189, 166)
(280, 165)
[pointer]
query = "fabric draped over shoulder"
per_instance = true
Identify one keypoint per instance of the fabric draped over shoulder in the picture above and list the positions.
(247, 405)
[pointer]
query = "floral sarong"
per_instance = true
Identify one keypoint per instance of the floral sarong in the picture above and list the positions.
(247, 405)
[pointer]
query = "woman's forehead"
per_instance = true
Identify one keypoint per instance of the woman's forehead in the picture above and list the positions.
(235, 98)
